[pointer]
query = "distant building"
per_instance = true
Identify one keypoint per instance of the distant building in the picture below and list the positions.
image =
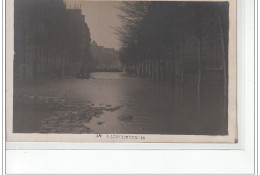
(96, 51)
(106, 59)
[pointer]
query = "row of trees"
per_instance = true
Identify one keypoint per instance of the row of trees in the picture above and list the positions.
(176, 41)
(49, 40)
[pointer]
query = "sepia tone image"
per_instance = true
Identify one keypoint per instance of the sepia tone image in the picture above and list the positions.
(121, 67)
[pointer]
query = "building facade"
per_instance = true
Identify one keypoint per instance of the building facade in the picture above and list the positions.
(50, 41)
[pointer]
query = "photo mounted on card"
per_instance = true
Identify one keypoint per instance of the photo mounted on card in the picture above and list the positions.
(121, 71)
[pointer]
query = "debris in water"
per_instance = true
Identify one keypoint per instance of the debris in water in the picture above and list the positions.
(114, 108)
(125, 117)
(99, 123)
(72, 116)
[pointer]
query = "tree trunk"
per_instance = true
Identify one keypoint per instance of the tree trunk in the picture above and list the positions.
(225, 71)
(176, 76)
(199, 76)
(167, 65)
(144, 73)
(158, 70)
(163, 70)
(25, 62)
(46, 61)
(147, 68)
(173, 58)
(35, 57)
(182, 70)
(171, 70)
(182, 63)
(153, 69)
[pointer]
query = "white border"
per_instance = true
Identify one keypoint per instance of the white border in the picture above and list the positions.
(120, 138)
(159, 138)
(2, 122)
(163, 161)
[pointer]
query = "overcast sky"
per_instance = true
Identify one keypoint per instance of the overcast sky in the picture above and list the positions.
(101, 17)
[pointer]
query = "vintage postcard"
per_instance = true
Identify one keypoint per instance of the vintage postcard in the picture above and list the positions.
(121, 71)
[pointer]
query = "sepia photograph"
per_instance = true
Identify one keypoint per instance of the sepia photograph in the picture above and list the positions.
(123, 71)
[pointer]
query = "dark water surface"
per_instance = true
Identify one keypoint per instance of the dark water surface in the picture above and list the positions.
(119, 104)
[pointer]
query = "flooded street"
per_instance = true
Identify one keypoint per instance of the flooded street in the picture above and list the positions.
(119, 104)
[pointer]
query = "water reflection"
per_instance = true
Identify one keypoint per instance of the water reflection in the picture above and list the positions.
(140, 106)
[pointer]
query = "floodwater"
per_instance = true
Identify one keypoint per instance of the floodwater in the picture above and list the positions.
(120, 104)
